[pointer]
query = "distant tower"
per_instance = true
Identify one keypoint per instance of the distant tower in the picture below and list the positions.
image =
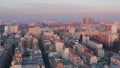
(87, 20)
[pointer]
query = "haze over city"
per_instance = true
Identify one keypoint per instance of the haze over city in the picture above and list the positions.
(60, 9)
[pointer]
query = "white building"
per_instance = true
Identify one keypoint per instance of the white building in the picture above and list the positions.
(66, 54)
(89, 58)
(97, 47)
(59, 47)
(71, 29)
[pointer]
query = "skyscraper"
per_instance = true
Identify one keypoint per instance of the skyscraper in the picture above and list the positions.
(87, 20)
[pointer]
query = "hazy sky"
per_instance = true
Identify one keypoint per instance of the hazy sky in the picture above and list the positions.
(57, 8)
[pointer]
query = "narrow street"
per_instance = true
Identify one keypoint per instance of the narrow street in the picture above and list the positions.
(44, 54)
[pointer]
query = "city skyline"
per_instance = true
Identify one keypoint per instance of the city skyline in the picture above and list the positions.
(61, 9)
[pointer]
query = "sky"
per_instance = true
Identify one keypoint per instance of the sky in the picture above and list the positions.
(101, 9)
